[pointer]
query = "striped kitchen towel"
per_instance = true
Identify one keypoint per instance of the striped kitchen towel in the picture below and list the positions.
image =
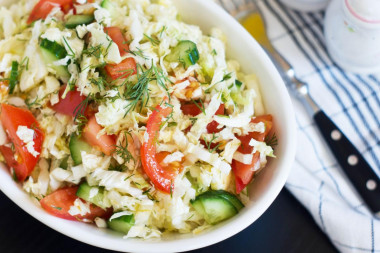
(353, 102)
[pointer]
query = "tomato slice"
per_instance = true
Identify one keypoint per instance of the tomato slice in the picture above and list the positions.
(245, 172)
(162, 178)
(117, 36)
(191, 109)
(59, 202)
(105, 143)
(68, 104)
(245, 148)
(194, 110)
(213, 126)
(44, 7)
(122, 70)
(12, 117)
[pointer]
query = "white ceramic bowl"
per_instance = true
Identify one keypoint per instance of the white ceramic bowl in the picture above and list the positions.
(263, 191)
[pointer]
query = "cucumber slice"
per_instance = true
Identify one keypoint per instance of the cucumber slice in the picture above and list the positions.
(186, 52)
(214, 209)
(108, 5)
(226, 195)
(51, 52)
(76, 145)
(84, 192)
(122, 224)
(80, 19)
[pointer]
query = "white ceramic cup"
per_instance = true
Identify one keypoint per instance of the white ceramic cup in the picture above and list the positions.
(352, 32)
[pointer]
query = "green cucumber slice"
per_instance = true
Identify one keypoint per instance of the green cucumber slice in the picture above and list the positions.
(84, 192)
(80, 19)
(216, 206)
(77, 145)
(226, 195)
(186, 52)
(122, 224)
(214, 210)
(51, 52)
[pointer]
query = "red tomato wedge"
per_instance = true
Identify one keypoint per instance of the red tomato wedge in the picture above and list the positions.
(68, 104)
(244, 147)
(12, 117)
(191, 109)
(194, 110)
(245, 172)
(213, 126)
(162, 178)
(44, 7)
(59, 202)
(117, 36)
(105, 143)
(122, 70)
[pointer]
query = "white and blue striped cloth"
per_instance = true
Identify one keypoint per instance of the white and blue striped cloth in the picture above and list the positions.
(353, 102)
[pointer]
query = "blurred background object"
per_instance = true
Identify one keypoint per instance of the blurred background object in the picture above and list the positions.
(352, 31)
(306, 5)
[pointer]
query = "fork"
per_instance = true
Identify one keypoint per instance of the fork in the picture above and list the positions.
(361, 175)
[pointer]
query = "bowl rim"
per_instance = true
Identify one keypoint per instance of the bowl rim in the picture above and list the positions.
(226, 230)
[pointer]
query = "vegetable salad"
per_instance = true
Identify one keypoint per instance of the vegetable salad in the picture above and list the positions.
(117, 113)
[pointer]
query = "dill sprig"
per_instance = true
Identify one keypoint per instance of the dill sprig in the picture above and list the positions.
(200, 107)
(154, 42)
(209, 143)
(81, 108)
(72, 55)
(193, 120)
(122, 151)
(271, 140)
(139, 93)
(138, 53)
(163, 30)
(100, 82)
(80, 119)
(93, 51)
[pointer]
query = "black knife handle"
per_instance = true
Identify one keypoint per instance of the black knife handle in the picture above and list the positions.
(364, 179)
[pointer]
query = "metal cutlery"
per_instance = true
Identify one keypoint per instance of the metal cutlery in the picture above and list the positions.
(363, 178)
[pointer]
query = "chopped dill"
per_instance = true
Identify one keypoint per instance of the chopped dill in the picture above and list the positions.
(172, 124)
(93, 51)
(80, 119)
(193, 120)
(154, 42)
(56, 207)
(129, 177)
(81, 108)
(209, 143)
(200, 107)
(100, 82)
(213, 52)
(227, 77)
(271, 140)
(138, 53)
(72, 55)
(117, 167)
(13, 79)
(123, 152)
(138, 94)
(163, 30)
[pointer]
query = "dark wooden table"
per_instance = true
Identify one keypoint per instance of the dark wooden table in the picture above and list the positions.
(285, 227)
